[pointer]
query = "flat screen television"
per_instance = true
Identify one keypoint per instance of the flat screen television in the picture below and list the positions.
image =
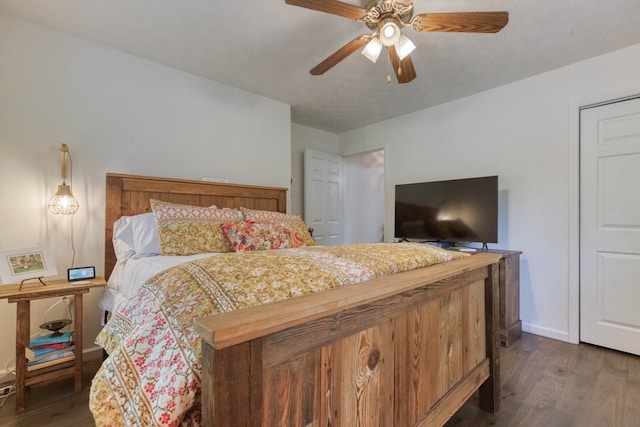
(459, 210)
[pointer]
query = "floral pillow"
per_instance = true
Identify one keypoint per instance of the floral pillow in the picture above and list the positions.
(294, 222)
(257, 236)
(188, 230)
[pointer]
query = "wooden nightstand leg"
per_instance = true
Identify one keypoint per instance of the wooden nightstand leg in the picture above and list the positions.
(22, 340)
(77, 375)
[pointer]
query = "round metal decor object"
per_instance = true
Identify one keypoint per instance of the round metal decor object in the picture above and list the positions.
(55, 326)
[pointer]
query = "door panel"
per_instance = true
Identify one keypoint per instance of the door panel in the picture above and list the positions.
(617, 209)
(618, 285)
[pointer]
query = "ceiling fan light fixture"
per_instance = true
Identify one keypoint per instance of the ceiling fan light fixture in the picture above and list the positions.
(372, 49)
(404, 47)
(386, 19)
(389, 33)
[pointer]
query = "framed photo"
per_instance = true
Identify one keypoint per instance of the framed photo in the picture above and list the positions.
(17, 265)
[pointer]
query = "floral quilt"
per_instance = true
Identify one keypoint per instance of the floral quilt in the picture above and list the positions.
(152, 376)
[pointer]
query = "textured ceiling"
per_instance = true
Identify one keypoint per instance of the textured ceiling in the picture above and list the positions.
(267, 47)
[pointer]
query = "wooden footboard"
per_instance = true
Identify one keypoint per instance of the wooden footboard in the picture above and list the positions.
(402, 350)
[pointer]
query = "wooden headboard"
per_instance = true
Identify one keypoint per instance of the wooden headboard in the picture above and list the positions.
(130, 195)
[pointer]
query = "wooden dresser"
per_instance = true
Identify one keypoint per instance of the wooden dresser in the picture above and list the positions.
(510, 325)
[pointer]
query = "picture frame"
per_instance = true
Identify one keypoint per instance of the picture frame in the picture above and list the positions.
(18, 265)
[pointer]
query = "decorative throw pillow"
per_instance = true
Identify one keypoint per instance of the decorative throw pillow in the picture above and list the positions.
(294, 222)
(188, 230)
(257, 236)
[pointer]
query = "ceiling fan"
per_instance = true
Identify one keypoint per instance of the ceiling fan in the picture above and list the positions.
(386, 18)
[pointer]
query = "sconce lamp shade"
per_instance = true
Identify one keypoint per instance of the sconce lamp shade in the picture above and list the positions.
(63, 202)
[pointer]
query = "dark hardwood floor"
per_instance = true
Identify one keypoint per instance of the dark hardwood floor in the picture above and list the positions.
(53, 404)
(544, 383)
(550, 383)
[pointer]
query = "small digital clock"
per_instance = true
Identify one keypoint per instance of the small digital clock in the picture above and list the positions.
(81, 273)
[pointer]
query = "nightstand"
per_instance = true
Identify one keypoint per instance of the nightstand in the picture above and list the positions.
(23, 298)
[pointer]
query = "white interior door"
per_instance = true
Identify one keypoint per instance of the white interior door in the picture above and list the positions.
(323, 196)
(610, 225)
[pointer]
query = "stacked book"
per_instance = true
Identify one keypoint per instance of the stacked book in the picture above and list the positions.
(48, 350)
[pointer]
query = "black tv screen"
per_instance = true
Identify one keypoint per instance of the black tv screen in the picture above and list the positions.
(459, 210)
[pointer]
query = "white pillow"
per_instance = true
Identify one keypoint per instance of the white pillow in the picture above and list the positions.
(145, 235)
(123, 245)
(136, 237)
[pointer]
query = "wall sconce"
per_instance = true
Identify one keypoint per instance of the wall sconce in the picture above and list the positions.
(63, 202)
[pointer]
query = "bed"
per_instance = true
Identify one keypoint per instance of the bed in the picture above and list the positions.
(397, 350)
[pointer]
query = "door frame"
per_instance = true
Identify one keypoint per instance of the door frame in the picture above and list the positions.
(573, 256)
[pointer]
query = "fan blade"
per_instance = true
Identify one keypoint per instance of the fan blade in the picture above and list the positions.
(333, 7)
(461, 22)
(340, 54)
(404, 69)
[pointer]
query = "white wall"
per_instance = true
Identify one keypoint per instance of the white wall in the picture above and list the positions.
(303, 137)
(524, 132)
(117, 113)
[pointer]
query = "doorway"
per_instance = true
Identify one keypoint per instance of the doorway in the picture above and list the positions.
(344, 197)
(364, 197)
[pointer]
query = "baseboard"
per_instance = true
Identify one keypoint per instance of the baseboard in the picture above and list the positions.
(92, 352)
(546, 332)
(7, 375)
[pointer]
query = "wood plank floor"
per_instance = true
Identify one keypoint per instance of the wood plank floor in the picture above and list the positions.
(544, 383)
(550, 383)
(53, 404)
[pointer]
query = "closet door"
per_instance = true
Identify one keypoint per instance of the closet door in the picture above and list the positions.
(610, 225)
